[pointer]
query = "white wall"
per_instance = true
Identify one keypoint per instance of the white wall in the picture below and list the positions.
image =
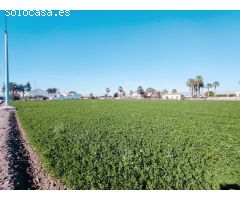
(172, 96)
(224, 98)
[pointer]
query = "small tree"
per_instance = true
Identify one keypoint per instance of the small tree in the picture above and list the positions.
(174, 91)
(91, 96)
(107, 90)
(209, 94)
(3, 88)
(140, 90)
(150, 91)
(115, 95)
(165, 91)
(28, 87)
(120, 90)
(21, 88)
(52, 90)
(215, 85)
(49, 90)
(13, 89)
(209, 85)
(158, 93)
(130, 92)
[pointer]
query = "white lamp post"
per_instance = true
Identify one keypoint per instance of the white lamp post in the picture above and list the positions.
(7, 96)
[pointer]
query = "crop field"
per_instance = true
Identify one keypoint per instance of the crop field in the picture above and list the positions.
(114, 144)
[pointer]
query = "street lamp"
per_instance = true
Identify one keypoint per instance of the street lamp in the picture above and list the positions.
(7, 99)
(7, 95)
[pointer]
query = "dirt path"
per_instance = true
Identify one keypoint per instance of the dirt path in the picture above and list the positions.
(5, 179)
(20, 167)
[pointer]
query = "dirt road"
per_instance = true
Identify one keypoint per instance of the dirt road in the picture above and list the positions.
(20, 167)
(5, 179)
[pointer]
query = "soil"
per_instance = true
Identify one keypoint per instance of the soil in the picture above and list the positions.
(20, 167)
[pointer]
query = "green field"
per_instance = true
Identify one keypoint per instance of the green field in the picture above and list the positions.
(114, 144)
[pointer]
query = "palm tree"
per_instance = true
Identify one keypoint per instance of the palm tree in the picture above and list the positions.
(198, 84)
(209, 85)
(190, 83)
(140, 90)
(120, 90)
(215, 85)
(107, 90)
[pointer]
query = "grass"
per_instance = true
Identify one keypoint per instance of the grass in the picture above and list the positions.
(109, 144)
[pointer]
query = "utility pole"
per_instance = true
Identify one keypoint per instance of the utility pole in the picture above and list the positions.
(7, 95)
(7, 98)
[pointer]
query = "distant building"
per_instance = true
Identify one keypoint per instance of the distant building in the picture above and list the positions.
(137, 95)
(40, 94)
(154, 95)
(67, 96)
(173, 96)
(44, 95)
(105, 97)
(237, 94)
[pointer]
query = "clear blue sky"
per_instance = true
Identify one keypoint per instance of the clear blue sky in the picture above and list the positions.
(92, 50)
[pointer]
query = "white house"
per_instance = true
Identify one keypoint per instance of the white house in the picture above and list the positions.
(42, 94)
(154, 95)
(237, 94)
(67, 96)
(173, 96)
(136, 95)
(39, 94)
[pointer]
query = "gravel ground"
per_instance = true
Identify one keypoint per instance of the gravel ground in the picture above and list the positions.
(20, 167)
(5, 179)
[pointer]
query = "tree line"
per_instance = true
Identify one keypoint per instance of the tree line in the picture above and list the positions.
(16, 88)
(121, 93)
(196, 84)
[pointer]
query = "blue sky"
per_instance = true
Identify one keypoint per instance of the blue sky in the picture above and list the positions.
(92, 50)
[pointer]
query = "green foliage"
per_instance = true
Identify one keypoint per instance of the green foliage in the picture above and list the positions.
(136, 144)
(174, 91)
(209, 94)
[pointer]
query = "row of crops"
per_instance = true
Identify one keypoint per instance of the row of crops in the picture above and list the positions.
(107, 144)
